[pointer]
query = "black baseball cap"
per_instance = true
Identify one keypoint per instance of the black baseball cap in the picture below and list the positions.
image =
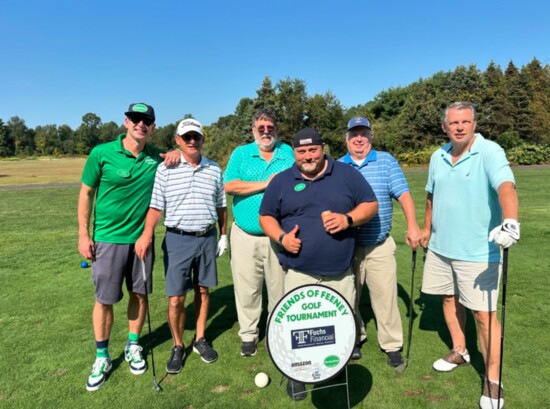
(306, 137)
(139, 108)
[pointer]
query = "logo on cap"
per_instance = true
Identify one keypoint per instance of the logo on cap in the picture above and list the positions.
(139, 108)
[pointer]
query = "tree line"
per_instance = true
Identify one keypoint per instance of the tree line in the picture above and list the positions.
(513, 109)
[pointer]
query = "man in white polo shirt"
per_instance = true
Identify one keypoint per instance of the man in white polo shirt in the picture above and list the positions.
(191, 195)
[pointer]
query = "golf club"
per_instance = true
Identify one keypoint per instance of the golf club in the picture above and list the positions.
(402, 367)
(503, 314)
(156, 386)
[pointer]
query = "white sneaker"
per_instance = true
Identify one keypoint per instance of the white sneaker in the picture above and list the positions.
(452, 360)
(101, 368)
(490, 399)
(132, 354)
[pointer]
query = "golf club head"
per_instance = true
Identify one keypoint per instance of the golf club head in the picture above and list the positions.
(156, 387)
(401, 368)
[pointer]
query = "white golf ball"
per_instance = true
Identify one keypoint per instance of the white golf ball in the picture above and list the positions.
(261, 380)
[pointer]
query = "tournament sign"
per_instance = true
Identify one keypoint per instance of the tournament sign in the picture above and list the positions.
(311, 333)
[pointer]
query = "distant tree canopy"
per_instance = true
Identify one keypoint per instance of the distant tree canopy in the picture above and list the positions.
(513, 108)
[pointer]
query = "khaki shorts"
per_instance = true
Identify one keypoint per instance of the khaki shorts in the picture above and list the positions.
(475, 283)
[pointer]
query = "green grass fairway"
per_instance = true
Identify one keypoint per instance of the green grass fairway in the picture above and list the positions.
(47, 346)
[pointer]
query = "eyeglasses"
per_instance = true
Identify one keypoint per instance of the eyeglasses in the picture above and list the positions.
(269, 129)
(136, 119)
(189, 137)
(354, 134)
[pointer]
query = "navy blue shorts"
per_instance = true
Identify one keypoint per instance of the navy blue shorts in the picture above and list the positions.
(188, 260)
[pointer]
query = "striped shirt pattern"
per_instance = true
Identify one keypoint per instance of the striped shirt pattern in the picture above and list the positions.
(189, 196)
(384, 175)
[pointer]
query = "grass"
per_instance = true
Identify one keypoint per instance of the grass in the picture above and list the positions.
(47, 347)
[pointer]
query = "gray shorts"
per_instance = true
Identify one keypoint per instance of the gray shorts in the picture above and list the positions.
(112, 265)
(475, 283)
(184, 255)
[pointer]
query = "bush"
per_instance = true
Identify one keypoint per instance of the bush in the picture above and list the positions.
(529, 154)
(417, 157)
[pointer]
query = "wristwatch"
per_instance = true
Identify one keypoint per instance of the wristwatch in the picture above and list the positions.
(350, 220)
(281, 236)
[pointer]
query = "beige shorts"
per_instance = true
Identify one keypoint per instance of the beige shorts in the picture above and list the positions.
(475, 283)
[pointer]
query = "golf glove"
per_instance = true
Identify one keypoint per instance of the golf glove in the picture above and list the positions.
(506, 234)
(222, 245)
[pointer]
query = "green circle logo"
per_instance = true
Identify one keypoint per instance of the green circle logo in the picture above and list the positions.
(139, 108)
(123, 173)
(331, 361)
(299, 187)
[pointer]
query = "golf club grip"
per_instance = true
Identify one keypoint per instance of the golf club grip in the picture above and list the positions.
(143, 272)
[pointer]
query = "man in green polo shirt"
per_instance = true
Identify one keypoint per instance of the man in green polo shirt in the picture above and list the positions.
(253, 256)
(120, 176)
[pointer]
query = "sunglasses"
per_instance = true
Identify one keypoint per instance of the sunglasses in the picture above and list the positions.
(136, 119)
(189, 137)
(265, 129)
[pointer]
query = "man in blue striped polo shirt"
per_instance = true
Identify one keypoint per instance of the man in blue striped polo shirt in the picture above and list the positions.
(375, 263)
(192, 197)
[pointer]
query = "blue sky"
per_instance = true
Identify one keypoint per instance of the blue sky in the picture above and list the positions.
(63, 59)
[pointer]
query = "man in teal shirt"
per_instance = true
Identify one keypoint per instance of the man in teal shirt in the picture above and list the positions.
(253, 256)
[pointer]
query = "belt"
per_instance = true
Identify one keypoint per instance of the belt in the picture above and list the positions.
(191, 233)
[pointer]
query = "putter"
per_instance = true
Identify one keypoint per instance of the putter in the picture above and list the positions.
(156, 386)
(503, 313)
(402, 367)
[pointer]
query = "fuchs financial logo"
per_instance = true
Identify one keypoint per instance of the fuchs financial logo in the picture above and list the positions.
(313, 337)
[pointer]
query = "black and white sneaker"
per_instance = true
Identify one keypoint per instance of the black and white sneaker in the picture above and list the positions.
(203, 348)
(175, 362)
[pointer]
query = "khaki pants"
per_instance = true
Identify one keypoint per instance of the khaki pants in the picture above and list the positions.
(253, 260)
(343, 283)
(375, 266)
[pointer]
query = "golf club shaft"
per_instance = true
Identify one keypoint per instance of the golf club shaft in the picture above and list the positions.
(411, 296)
(503, 314)
(155, 384)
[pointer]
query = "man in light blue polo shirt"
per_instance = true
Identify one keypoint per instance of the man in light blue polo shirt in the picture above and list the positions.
(471, 210)
(253, 256)
(375, 263)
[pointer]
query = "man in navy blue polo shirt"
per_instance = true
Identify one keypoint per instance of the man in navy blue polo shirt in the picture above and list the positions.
(311, 209)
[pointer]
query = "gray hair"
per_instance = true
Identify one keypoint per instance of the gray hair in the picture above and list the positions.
(265, 114)
(459, 106)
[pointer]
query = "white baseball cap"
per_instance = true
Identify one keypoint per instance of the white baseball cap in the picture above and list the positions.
(189, 125)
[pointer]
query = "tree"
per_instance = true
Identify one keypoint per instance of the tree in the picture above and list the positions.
(7, 145)
(109, 131)
(291, 106)
(47, 140)
(22, 136)
(495, 110)
(87, 134)
(325, 114)
(266, 96)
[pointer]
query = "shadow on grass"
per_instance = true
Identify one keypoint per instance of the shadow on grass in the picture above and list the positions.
(359, 385)
(431, 319)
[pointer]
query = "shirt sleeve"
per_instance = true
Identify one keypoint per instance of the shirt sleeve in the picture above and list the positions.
(233, 167)
(91, 174)
(158, 197)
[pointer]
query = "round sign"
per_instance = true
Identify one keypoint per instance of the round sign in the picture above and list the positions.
(311, 333)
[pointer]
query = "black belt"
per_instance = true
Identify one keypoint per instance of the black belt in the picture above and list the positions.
(191, 233)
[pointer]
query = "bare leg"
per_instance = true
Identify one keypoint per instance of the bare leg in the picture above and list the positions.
(455, 317)
(102, 320)
(201, 304)
(176, 318)
(137, 310)
(488, 333)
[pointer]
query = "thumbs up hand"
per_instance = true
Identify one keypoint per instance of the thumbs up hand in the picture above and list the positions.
(290, 242)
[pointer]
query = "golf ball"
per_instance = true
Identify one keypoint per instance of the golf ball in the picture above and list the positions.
(84, 264)
(261, 380)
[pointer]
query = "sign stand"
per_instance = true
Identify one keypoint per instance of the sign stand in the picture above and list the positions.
(311, 335)
(346, 383)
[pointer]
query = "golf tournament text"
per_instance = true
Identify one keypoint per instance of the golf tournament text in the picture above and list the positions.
(309, 304)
